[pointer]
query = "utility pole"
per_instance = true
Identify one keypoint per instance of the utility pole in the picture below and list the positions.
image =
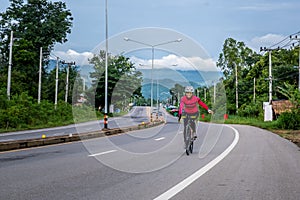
(40, 75)
(83, 84)
(297, 39)
(270, 76)
(67, 84)
(214, 92)
(254, 89)
(67, 78)
(10, 64)
(270, 70)
(236, 89)
(56, 83)
(268, 115)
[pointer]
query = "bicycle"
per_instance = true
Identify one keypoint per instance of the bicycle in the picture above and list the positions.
(188, 133)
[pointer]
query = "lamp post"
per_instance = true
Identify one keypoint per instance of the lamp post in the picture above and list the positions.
(106, 69)
(152, 60)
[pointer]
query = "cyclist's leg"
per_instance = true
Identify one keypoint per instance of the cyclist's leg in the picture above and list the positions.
(193, 124)
(185, 131)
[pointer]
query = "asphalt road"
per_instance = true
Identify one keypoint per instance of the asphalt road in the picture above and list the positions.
(134, 117)
(238, 162)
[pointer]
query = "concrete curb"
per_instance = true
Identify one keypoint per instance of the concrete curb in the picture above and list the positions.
(28, 143)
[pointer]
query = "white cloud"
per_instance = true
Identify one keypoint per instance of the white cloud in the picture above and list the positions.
(73, 56)
(267, 6)
(170, 61)
(176, 63)
(264, 41)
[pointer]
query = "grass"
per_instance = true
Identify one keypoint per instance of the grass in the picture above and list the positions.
(292, 135)
(83, 118)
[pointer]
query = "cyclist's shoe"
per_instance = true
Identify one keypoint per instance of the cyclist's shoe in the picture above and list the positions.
(187, 152)
(194, 136)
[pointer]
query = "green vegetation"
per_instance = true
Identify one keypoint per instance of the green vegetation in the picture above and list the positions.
(125, 82)
(35, 25)
(41, 24)
(246, 73)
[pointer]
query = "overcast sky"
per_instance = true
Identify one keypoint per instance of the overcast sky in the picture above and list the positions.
(207, 22)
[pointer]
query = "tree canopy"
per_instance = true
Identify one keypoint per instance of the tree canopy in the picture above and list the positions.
(124, 83)
(253, 68)
(35, 24)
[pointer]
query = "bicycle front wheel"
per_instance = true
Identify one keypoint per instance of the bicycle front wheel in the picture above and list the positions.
(191, 146)
(188, 140)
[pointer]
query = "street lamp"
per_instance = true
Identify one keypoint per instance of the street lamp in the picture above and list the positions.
(152, 60)
(106, 69)
(157, 90)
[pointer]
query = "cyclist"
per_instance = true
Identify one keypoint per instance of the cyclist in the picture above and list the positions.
(188, 103)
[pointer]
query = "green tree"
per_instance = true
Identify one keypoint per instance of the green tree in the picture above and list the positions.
(236, 55)
(124, 82)
(49, 83)
(177, 91)
(36, 24)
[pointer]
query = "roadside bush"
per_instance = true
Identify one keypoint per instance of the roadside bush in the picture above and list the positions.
(23, 112)
(84, 113)
(18, 111)
(249, 110)
(289, 120)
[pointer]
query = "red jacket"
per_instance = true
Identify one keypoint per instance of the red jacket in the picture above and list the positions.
(190, 105)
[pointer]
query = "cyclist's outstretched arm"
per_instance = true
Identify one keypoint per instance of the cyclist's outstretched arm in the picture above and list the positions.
(203, 105)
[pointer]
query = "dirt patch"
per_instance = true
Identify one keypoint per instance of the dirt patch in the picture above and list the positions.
(292, 135)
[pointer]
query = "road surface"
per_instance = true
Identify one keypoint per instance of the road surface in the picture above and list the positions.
(134, 117)
(229, 162)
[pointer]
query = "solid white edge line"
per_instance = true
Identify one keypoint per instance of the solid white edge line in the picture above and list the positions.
(183, 184)
(102, 153)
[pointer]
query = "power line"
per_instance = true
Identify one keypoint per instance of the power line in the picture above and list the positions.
(286, 38)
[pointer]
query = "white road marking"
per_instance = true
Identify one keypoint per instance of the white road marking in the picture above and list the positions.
(161, 138)
(186, 182)
(102, 153)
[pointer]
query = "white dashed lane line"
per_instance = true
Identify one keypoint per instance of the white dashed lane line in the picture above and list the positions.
(161, 138)
(102, 153)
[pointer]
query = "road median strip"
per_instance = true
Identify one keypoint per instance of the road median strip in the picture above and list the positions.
(28, 143)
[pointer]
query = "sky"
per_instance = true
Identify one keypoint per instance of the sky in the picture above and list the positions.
(207, 23)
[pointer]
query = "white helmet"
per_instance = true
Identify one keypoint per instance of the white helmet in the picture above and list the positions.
(189, 89)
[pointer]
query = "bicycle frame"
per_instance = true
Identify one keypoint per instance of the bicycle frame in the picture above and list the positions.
(188, 140)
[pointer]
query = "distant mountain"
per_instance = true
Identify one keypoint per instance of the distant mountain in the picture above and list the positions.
(168, 78)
